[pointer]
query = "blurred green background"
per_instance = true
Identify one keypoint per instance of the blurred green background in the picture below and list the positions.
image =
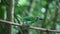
(37, 13)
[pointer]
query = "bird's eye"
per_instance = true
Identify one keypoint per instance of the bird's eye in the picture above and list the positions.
(39, 18)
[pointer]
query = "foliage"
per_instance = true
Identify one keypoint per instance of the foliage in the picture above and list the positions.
(29, 10)
(0, 1)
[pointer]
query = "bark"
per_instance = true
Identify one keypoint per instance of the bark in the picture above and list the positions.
(10, 15)
(30, 27)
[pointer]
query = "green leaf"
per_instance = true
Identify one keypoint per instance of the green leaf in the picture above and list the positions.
(0, 1)
(44, 3)
(2, 11)
(22, 2)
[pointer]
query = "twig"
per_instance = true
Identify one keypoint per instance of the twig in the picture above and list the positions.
(30, 27)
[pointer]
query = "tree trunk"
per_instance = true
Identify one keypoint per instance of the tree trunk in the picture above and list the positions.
(10, 16)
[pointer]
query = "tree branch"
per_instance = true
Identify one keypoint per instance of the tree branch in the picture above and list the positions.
(30, 27)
